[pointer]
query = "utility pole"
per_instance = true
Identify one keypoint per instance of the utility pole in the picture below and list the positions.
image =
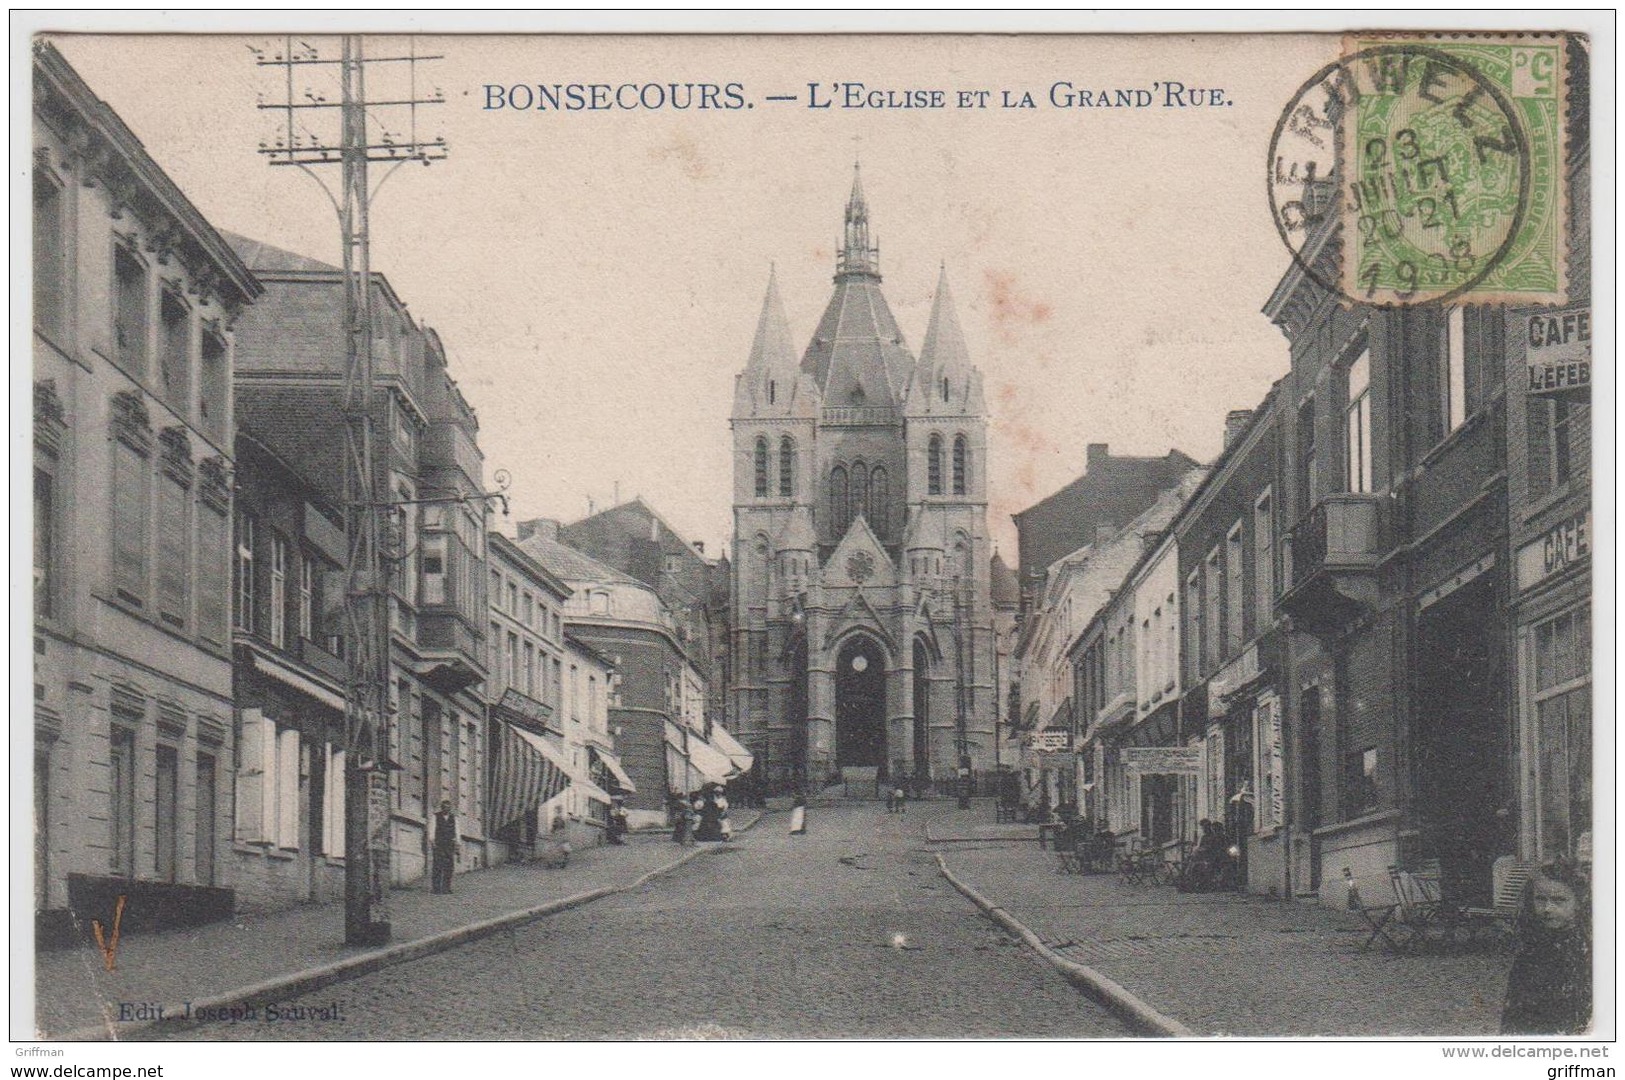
(367, 499)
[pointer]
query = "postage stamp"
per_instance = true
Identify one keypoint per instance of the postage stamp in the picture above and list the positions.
(1439, 159)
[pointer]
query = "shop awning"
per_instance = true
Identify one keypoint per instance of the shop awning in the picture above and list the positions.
(743, 759)
(616, 769)
(528, 773)
(709, 762)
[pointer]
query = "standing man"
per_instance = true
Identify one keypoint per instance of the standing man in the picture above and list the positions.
(445, 847)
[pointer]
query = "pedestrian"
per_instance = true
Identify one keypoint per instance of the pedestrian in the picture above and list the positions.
(695, 804)
(1549, 987)
(677, 810)
(899, 800)
(445, 847)
(722, 819)
(891, 800)
(798, 816)
(617, 821)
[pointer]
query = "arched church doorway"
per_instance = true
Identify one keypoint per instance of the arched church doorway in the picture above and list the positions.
(860, 704)
(922, 711)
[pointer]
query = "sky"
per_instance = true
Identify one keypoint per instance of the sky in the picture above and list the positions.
(596, 276)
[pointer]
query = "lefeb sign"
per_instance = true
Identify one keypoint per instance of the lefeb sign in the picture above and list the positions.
(1563, 545)
(1186, 760)
(1050, 741)
(1557, 347)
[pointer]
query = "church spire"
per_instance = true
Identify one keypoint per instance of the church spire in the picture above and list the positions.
(858, 255)
(772, 350)
(944, 350)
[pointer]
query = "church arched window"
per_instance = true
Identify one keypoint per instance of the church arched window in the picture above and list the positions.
(787, 467)
(945, 388)
(761, 468)
(860, 491)
(961, 463)
(879, 501)
(837, 501)
(772, 391)
(933, 466)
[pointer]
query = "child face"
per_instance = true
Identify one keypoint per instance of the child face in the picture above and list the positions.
(1556, 907)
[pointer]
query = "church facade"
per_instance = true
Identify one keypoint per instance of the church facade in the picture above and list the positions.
(862, 625)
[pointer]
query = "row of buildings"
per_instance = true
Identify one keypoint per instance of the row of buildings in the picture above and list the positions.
(1360, 637)
(189, 545)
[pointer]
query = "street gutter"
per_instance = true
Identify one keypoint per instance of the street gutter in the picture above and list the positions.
(1108, 992)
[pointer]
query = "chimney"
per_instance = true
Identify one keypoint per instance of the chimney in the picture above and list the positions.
(1235, 422)
(1097, 452)
(699, 547)
(546, 528)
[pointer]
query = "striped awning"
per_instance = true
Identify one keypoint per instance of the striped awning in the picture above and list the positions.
(710, 762)
(616, 769)
(528, 773)
(743, 759)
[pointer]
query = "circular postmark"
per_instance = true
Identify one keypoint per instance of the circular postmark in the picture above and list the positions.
(1399, 175)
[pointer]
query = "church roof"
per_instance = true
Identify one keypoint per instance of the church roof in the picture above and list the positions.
(945, 363)
(857, 356)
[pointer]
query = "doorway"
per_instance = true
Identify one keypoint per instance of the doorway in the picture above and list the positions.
(860, 704)
(1461, 741)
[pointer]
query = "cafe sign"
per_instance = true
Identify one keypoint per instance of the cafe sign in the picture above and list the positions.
(1557, 347)
(1050, 741)
(1561, 546)
(1152, 760)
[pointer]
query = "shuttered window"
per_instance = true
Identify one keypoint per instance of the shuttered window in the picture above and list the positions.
(214, 590)
(130, 499)
(174, 536)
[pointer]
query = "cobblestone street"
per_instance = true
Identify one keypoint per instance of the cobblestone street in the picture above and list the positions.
(848, 931)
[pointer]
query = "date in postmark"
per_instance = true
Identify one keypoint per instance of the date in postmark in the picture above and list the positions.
(1427, 170)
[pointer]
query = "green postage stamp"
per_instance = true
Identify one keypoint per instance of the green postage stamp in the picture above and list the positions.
(1454, 165)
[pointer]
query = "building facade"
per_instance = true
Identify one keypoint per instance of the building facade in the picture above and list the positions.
(135, 300)
(861, 617)
(290, 390)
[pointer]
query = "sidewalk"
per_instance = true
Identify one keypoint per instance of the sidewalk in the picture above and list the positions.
(1226, 964)
(75, 992)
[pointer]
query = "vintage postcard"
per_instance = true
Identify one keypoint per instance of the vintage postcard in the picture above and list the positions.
(795, 536)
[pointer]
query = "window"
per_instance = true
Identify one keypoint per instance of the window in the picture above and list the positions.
(513, 599)
(787, 467)
(1263, 561)
(129, 309)
(50, 247)
(175, 348)
(933, 466)
(208, 803)
(1357, 423)
(434, 569)
(945, 388)
(214, 590)
(496, 590)
(961, 463)
(599, 602)
(513, 660)
(1213, 612)
(121, 795)
(880, 501)
(166, 808)
(859, 502)
(1193, 625)
(131, 492)
(1360, 782)
(575, 694)
(307, 597)
(1453, 370)
(1562, 441)
(772, 391)
(279, 590)
(1235, 596)
(214, 384)
(1562, 716)
(838, 502)
(529, 603)
(761, 468)
(243, 572)
(530, 669)
(174, 549)
(1308, 462)
(44, 542)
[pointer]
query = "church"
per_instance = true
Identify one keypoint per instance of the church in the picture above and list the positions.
(862, 626)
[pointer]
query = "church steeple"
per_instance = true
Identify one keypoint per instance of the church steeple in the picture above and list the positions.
(772, 382)
(945, 381)
(858, 257)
